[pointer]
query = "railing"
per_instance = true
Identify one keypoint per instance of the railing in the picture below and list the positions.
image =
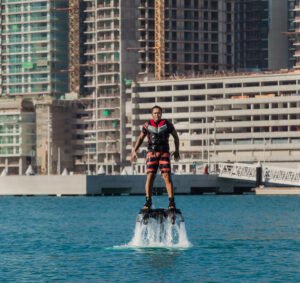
(278, 175)
(270, 174)
(237, 171)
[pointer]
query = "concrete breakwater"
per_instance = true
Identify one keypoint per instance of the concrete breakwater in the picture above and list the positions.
(116, 185)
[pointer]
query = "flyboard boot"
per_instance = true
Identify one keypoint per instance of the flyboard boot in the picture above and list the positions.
(172, 210)
(146, 210)
(159, 214)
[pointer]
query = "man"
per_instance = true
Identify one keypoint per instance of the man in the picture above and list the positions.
(157, 131)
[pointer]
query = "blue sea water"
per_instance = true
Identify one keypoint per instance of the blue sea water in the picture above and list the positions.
(84, 239)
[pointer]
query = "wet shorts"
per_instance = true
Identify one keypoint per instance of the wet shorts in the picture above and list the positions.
(158, 159)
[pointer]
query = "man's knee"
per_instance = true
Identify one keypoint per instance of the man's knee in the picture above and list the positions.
(166, 177)
(150, 176)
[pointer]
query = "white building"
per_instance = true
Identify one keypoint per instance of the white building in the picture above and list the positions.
(238, 118)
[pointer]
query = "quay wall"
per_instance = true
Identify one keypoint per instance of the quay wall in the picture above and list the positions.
(277, 191)
(135, 184)
(115, 185)
(43, 185)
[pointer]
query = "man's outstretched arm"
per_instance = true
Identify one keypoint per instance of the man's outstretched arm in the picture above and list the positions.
(137, 145)
(176, 142)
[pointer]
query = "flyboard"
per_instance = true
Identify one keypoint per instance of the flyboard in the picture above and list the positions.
(160, 215)
(160, 227)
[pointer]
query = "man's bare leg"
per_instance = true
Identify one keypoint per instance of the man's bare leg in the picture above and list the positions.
(170, 190)
(148, 189)
(168, 183)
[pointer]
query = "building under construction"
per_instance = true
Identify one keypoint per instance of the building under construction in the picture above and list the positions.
(294, 33)
(260, 42)
(110, 32)
(183, 37)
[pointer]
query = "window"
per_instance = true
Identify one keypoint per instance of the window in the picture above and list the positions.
(214, 4)
(214, 26)
(214, 37)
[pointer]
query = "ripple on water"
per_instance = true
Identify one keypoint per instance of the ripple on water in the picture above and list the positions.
(82, 239)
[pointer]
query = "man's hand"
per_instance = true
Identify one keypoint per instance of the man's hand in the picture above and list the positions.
(176, 155)
(133, 156)
(138, 143)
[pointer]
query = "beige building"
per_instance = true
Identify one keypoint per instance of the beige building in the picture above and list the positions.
(46, 134)
(59, 142)
(237, 118)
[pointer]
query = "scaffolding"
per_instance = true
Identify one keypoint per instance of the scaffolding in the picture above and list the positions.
(159, 9)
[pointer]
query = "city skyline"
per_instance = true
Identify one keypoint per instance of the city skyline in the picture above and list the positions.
(120, 42)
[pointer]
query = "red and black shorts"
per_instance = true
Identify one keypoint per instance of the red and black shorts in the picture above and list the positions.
(158, 159)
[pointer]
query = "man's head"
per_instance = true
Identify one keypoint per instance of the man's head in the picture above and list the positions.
(156, 112)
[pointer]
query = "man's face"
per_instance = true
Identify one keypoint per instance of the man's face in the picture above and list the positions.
(156, 114)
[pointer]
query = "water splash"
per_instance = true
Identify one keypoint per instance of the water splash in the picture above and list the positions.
(160, 234)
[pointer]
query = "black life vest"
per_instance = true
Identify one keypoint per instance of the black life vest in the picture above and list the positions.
(158, 134)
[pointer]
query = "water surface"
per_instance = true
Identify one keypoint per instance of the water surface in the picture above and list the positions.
(83, 239)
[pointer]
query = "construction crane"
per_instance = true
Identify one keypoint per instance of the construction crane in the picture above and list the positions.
(159, 39)
(159, 44)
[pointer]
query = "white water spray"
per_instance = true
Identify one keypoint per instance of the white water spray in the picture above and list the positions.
(157, 233)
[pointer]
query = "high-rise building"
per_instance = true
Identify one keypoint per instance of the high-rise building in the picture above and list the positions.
(260, 42)
(196, 35)
(110, 33)
(291, 34)
(294, 33)
(34, 47)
